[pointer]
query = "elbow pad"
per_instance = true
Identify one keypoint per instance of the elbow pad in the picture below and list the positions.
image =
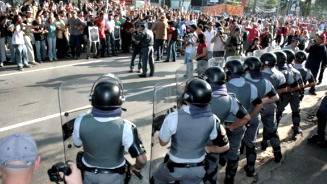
(256, 102)
(137, 147)
(242, 112)
(221, 139)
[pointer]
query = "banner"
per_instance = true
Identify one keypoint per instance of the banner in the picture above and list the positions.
(94, 34)
(223, 8)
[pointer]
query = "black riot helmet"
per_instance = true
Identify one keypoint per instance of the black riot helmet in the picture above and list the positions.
(215, 76)
(234, 67)
(197, 92)
(300, 57)
(268, 59)
(252, 64)
(107, 93)
(290, 55)
(281, 59)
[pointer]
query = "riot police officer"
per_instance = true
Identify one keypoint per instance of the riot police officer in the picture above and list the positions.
(268, 113)
(247, 94)
(307, 76)
(295, 95)
(269, 96)
(146, 43)
(233, 115)
(189, 130)
(136, 39)
(105, 136)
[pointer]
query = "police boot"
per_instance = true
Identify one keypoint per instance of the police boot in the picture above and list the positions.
(277, 154)
(231, 170)
(296, 130)
(314, 139)
(319, 140)
(275, 143)
(251, 156)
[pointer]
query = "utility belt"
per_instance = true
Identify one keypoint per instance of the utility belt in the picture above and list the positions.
(172, 165)
(121, 170)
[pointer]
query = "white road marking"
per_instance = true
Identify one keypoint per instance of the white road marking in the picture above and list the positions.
(38, 120)
(55, 67)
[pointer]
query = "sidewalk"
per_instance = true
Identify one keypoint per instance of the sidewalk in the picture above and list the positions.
(302, 163)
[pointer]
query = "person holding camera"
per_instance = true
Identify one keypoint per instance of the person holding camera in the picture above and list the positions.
(19, 159)
(105, 136)
(219, 43)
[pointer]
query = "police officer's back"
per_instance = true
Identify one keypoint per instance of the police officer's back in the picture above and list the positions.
(189, 130)
(234, 116)
(105, 136)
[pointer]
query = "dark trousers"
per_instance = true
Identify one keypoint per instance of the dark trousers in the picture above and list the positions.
(103, 45)
(61, 48)
(159, 47)
(322, 121)
(147, 57)
(126, 42)
(136, 51)
(322, 70)
(75, 45)
(314, 71)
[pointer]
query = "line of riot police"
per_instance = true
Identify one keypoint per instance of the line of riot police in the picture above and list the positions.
(219, 118)
(243, 95)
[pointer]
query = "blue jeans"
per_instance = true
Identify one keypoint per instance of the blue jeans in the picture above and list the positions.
(52, 48)
(189, 64)
(2, 49)
(110, 43)
(171, 48)
(40, 50)
(18, 55)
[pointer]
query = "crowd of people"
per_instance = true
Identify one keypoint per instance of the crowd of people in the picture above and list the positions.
(223, 105)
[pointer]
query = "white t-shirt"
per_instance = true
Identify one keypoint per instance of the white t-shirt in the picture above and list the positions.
(209, 35)
(18, 36)
(110, 25)
(219, 45)
(192, 38)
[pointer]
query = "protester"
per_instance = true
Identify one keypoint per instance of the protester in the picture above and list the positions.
(317, 57)
(201, 55)
(160, 31)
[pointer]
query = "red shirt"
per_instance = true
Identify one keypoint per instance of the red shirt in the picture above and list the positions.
(200, 48)
(253, 33)
(101, 25)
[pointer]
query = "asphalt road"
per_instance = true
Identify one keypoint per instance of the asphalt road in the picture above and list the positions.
(29, 99)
